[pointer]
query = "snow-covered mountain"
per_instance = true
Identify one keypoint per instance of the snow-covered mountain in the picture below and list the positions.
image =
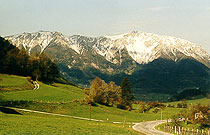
(152, 62)
(141, 47)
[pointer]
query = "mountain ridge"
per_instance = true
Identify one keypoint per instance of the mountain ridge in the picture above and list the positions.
(142, 47)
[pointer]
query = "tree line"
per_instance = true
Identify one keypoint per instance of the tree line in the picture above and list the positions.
(18, 62)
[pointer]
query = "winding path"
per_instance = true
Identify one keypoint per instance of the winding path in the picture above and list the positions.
(148, 127)
(62, 115)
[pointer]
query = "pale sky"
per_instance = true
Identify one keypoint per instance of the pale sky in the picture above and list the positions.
(187, 19)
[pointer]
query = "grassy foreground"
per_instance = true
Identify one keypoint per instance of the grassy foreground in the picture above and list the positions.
(37, 124)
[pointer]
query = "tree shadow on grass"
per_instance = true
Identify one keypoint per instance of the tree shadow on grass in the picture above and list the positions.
(9, 111)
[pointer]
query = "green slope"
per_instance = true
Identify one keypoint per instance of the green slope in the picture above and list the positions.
(46, 93)
(13, 82)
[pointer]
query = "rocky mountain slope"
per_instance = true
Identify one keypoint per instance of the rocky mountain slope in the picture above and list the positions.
(81, 58)
(141, 47)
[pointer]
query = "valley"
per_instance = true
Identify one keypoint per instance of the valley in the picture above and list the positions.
(67, 100)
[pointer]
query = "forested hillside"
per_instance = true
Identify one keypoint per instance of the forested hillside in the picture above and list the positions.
(18, 62)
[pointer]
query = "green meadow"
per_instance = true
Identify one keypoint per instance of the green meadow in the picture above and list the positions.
(202, 101)
(38, 124)
(12, 82)
(66, 99)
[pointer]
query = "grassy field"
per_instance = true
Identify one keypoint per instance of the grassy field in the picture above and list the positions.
(12, 82)
(38, 124)
(202, 101)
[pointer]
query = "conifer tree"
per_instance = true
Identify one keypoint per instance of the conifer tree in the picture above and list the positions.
(127, 95)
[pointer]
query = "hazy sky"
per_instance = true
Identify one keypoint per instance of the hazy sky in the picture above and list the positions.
(187, 19)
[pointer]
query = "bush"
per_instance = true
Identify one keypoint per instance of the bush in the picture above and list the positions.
(208, 95)
(175, 121)
(143, 107)
(156, 110)
(182, 104)
(156, 104)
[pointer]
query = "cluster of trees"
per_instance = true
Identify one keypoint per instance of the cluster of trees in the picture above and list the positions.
(18, 62)
(110, 94)
(197, 114)
(182, 104)
(144, 107)
(204, 114)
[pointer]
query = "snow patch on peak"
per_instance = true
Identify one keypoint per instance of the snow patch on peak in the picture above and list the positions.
(146, 47)
(30, 40)
(73, 43)
(139, 50)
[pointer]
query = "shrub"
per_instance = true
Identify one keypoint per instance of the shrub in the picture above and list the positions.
(156, 104)
(156, 110)
(175, 121)
(143, 107)
(208, 95)
(182, 104)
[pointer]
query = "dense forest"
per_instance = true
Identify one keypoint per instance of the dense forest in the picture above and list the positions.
(18, 62)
